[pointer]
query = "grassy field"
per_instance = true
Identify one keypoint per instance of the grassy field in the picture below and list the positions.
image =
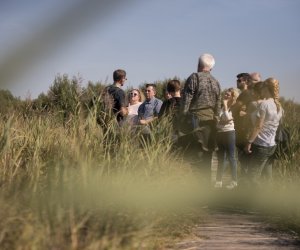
(70, 184)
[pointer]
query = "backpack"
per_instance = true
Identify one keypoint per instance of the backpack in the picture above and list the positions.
(107, 99)
(283, 141)
(105, 108)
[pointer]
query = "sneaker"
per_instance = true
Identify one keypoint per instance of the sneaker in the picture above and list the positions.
(232, 185)
(218, 184)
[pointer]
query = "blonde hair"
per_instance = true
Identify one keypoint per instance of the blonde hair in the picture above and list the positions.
(273, 86)
(141, 95)
(234, 93)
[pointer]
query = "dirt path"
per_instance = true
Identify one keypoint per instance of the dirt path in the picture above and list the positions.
(229, 229)
(233, 230)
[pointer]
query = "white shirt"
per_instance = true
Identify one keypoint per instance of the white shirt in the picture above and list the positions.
(132, 117)
(226, 121)
(268, 110)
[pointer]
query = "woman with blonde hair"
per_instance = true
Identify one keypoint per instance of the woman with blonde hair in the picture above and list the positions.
(135, 99)
(226, 139)
(261, 144)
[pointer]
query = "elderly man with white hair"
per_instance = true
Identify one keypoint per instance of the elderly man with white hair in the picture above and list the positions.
(201, 103)
(255, 77)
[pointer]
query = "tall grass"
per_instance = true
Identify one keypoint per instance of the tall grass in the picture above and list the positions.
(72, 184)
(287, 169)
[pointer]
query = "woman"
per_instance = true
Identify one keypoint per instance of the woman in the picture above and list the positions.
(135, 100)
(226, 139)
(254, 104)
(261, 144)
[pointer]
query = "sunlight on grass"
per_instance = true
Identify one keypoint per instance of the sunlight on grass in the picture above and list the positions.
(70, 184)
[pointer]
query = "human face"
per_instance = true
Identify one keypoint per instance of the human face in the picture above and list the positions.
(241, 83)
(123, 81)
(134, 97)
(150, 92)
(167, 95)
(228, 95)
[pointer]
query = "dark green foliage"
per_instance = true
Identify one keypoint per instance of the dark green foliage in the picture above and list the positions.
(91, 93)
(283, 141)
(65, 94)
(42, 103)
(161, 87)
(55, 177)
(8, 103)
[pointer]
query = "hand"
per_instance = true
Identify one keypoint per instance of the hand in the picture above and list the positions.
(243, 113)
(247, 148)
(225, 102)
(143, 122)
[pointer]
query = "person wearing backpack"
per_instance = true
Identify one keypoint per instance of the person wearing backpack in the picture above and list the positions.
(201, 103)
(261, 144)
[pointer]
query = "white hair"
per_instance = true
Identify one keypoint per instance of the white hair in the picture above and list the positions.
(255, 76)
(207, 60)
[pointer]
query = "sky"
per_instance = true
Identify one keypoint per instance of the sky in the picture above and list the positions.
(151, 40)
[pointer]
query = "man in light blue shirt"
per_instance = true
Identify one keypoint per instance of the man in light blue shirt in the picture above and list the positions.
(149, 109)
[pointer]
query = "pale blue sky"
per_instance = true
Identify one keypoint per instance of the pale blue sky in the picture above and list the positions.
(151, 40)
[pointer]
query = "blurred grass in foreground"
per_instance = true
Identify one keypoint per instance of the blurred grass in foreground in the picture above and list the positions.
(69, 184)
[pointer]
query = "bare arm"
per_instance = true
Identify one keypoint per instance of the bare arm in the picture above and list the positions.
(145, 122)
(124, 111)
(257, 128)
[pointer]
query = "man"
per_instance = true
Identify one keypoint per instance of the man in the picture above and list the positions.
(148, 111)
(255, 77)
(241, 119)
(172, 103)
(114, 96)
(246, 83)
(170, 107)
(201, 98)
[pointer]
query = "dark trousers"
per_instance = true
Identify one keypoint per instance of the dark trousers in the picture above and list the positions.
(243, 159)
(259, 162)
(198, 142)
(203, 140)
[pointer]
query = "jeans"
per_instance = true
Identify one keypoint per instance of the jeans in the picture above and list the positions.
(226, 150)
(243, 158)
(259, 162)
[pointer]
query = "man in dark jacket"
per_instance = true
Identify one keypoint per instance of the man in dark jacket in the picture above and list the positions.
(240, 112)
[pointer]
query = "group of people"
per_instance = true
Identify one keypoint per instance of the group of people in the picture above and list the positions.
(204, 119)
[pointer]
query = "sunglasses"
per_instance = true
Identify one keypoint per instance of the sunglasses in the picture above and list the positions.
(133, 94)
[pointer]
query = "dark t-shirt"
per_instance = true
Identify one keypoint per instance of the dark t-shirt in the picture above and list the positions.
(241, 122)
(245, 97)
(118, 100)
(171, 107)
